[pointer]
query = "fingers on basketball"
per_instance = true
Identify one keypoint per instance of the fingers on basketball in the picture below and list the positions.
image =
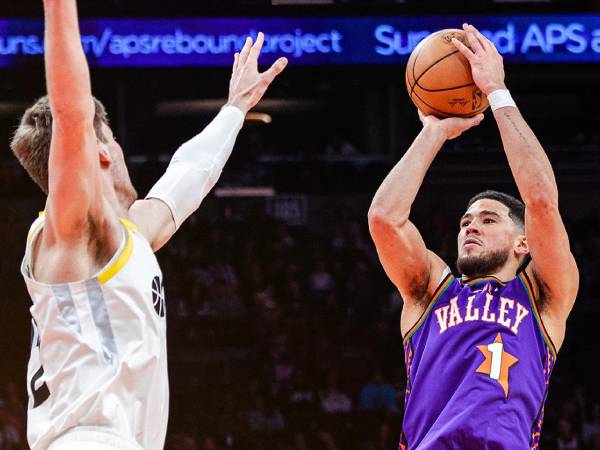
(473, 41)
(466, 51)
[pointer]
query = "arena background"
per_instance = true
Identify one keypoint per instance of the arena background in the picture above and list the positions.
(283, 330)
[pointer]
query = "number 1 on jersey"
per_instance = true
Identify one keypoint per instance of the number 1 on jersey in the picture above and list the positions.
(496, 351)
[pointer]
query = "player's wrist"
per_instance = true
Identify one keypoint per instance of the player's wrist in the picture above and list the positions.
(238, 104)
(237, 109)
(436, 131)
(500, 98)
(487, 90)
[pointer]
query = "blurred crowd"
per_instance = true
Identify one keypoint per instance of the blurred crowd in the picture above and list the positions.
(287, 337)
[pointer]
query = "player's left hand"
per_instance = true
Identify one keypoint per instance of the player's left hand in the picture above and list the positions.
(451, 127)
(486, 62)
(247, 85)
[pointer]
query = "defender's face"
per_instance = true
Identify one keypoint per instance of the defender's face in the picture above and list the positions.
(122, 182)
(486, 228)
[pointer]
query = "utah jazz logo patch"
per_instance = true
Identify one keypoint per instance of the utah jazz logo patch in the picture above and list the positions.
(158, 296)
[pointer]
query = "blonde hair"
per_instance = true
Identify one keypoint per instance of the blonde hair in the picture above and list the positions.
(31, 141)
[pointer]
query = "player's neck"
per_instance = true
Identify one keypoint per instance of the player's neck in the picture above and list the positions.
(504, 274)
(113, 199)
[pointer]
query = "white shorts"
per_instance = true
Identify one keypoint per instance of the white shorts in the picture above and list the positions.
(92, 438)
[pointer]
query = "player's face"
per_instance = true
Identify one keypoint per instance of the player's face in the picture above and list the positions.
(486, 238)
(122, 182)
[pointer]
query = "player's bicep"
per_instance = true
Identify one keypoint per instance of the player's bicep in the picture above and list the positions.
(155, 219)
(74, 181)
(553, 265)
(405, 258)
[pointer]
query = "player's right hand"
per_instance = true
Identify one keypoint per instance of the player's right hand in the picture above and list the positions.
(486, 62)
(452, 127)
(247, 85)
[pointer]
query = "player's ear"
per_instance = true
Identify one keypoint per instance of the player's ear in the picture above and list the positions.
(520, 245)
(104, 154)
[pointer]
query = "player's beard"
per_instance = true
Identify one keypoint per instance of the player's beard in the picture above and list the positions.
(483, 264)
(126, 193)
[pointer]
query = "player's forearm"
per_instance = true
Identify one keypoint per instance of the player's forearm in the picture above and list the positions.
(527, 159)
(67, 73)
(197, 165)
(394, 198)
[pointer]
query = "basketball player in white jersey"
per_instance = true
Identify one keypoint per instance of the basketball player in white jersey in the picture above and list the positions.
(97, 376)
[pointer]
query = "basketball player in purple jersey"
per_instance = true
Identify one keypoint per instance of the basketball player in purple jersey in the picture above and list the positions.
(479, 349)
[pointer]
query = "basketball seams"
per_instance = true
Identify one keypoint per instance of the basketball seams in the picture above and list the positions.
(412, 88)
(416, 83)
(446, 89)
(431, 66)
(447, 114)
(464, 89)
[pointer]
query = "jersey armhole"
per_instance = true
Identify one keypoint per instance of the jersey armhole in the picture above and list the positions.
(445, 282)
(526, 281)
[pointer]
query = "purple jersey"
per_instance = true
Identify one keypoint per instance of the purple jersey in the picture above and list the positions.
(478, 364)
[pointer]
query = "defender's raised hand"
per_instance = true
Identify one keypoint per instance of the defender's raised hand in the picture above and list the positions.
(248, 85)
(486, 63)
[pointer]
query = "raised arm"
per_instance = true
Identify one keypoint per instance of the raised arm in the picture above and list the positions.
(553, 266)
(73, 166)
(410, 266)
(197, 164)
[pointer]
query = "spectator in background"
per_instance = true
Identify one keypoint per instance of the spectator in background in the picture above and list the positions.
(377, 394)
(301, 396)
(264, 418)
(299, 442)
(333, 400)
(567, 439)
(282, 360)
(591, 425)
(209, 443)
(16, 407)
(360, 291)
(386, 439)
(225, 301)
(181, 441)
(9, 434)
(340, 146)
(325, 441)
(321, 282)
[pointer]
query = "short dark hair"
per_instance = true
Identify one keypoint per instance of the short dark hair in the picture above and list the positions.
(31, 141)
(516, 208)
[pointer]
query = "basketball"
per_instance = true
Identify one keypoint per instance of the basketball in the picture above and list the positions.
(438, 78)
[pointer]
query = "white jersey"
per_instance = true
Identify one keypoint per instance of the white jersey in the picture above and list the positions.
(99, 355)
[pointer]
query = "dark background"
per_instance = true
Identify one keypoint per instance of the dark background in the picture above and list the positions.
(282, 298)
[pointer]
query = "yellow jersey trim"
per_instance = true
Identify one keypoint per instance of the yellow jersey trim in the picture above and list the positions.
(130, 225)
(123, 258)
(117, 265)
(35, 227)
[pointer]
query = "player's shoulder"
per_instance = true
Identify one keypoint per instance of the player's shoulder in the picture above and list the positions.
(439, 273)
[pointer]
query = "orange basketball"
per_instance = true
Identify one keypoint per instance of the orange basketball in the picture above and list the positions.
(438, 78)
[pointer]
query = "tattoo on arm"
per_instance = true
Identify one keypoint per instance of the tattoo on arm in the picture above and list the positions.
(517, 129)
